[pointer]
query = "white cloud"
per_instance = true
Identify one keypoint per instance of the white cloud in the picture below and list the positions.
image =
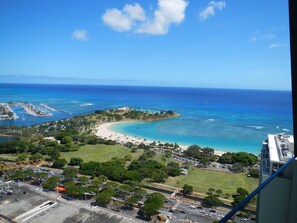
(133, 17)
(168, 12)
(80, 35)
(211, 9)
(135, 12)
(123, 20)
(257, 36)
(277, 45)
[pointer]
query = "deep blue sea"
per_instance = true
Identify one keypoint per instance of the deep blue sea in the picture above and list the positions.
(225, 119)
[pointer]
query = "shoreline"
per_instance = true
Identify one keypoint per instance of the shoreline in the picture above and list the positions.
(104, 130)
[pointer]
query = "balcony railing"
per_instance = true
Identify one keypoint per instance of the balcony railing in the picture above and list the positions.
(256, 191)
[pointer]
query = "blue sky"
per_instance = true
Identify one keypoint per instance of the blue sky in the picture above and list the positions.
(195, 43)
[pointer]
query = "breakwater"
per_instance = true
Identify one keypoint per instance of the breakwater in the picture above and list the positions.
(7, 113)
(48, 107)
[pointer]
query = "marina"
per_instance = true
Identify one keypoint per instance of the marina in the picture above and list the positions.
(7, 112)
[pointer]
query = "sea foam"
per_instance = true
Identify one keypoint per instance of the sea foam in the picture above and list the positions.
(86, 104)
(256, 126)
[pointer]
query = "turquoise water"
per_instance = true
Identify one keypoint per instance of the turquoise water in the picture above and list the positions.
(225, 119)
(165, 131)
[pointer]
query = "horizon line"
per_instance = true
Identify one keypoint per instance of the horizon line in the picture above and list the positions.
(147, 86)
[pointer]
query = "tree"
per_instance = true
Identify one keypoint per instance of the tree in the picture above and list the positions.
(67, 140)
(192, 151)
(22, 157)
(254, 173)
(75, 161)
(245, 159)
(159, 176)
(91, 168)
(187, 189)
(29, 173)
(42, 176)
(211, 201)
(153, 202)
(239, 196)
(219, 192)
(83, 179)
(132, 200)
(173, 169)
(97, 182)
(59, 163)
(51, 183)
(53, 154)
(36, 156)
(133, 175)
(205, 155)
(70, 172)
(104, 197)
(140, 192)
(134, 184)
(75, 191)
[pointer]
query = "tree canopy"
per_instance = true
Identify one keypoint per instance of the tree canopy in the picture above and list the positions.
(204, 155)
(187, 189)
(245, 159)
(153, 202)
(239, 196)
(211, 201)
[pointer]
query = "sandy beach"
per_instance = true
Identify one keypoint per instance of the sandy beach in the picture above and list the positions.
(105, 131)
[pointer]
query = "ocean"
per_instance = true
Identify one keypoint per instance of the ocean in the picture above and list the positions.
(224, 119)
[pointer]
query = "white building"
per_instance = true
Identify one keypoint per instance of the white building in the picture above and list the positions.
(277, 202)
(276, 151)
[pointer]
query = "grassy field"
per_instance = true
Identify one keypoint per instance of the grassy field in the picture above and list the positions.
(100, 153)
(202, 179)
(8, 157)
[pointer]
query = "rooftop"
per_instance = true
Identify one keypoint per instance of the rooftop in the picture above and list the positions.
(281, 147)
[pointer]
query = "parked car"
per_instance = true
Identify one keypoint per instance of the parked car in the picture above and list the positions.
(9, 192)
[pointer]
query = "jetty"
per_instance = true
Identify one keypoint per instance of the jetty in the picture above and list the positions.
(54, 109)
(29, 108)
(6, 112)
(48, 107)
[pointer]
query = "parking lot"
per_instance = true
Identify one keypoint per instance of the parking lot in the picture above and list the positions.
(19, 199)
(24, 198)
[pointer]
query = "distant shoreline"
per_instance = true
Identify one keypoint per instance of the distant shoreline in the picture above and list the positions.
(104, 130)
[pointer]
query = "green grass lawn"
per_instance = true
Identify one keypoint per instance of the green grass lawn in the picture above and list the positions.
(100, 153)
(202, 179)
(8, 157)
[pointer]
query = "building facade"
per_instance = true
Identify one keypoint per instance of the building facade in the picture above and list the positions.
(277, 202)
